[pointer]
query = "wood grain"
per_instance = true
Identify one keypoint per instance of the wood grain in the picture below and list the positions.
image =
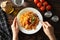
(40, 35)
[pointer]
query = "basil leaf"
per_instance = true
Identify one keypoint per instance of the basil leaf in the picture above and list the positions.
(33, 19)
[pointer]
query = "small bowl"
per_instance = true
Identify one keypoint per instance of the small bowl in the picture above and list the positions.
(14, 1)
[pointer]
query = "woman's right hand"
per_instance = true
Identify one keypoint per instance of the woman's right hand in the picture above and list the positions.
(49, 31)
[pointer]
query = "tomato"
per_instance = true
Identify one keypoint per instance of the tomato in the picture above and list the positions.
(42, 1)
(45, 3)
(48, 7)
(39, 4)
(36, 1)
(42, 8)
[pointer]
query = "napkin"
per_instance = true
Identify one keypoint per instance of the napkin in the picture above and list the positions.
(4, 30)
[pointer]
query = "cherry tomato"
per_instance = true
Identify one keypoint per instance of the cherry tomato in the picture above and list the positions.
(36, 1)
(42, 1)
(39, 4)
(42, 8)
(48, 7)
(45, 3)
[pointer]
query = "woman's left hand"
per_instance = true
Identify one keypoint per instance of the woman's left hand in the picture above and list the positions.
(14, 27)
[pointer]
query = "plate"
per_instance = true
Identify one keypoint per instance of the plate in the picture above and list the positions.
(38, 26)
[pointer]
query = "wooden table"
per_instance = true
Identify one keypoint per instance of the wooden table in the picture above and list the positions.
(40, 35)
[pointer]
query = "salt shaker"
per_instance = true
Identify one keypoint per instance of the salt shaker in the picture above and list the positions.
(55, 18)
(48, 14)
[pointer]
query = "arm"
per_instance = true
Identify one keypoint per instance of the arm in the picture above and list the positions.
(15, 30)
(48, 29)
(15, 37)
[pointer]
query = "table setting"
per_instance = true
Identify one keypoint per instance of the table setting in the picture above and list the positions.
(44, 10)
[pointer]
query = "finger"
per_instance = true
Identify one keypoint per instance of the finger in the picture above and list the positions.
(48, 24)
(16, 25)
(44, 25)
(41, 22)
(14, 22)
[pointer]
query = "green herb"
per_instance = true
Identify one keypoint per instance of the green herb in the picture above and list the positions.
(33, 19)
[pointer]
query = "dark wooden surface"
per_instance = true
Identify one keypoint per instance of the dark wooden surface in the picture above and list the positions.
(40, 35)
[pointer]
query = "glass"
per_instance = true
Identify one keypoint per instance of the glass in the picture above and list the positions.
(55, 18)
(18, 2)
(48, 14)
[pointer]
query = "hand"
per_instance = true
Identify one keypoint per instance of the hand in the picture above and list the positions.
(49, 31)
(15, 29)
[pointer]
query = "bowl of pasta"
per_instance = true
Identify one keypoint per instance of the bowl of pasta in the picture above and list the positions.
(29, 20)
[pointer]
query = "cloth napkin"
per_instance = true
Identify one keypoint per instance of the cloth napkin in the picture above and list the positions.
(4, 30)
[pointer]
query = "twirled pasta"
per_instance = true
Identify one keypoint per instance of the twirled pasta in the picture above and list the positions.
(29, 20)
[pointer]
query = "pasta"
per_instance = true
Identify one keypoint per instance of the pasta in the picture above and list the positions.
(29, 20)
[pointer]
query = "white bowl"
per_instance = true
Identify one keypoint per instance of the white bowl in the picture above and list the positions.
(38, 26)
